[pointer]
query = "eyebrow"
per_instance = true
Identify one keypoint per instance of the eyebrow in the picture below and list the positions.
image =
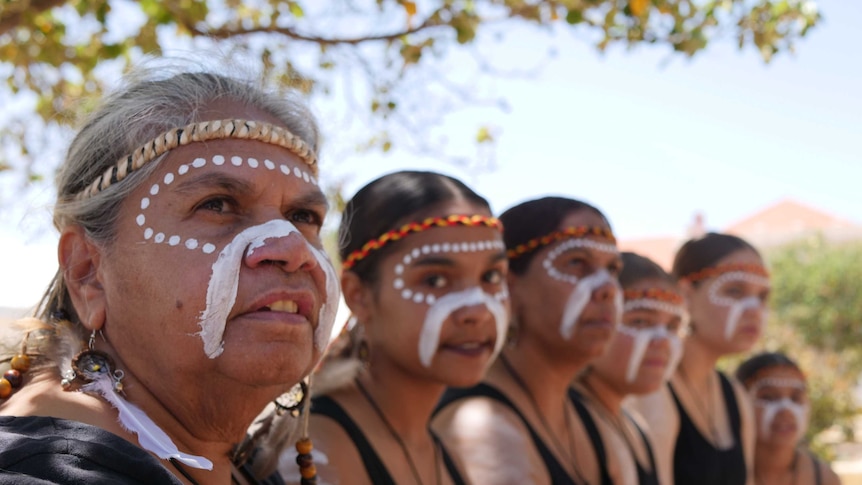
(214, 179)
(443, 261)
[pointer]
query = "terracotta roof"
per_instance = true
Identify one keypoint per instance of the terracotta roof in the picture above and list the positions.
(659, 249)
(787, 217)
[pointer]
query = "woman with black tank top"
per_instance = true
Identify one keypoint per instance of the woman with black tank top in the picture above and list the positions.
(424, 270)
(640, 358)
(703, 419)
(778, 389)
(519, 426)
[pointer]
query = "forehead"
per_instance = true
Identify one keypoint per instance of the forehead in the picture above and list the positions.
(780, 372)
(648, 283)
(450, 242)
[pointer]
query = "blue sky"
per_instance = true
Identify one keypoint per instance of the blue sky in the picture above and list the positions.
(648, 137)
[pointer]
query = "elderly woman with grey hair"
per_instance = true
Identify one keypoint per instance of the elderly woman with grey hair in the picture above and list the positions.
(192, 289)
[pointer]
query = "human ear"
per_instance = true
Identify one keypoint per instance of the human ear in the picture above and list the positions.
(357, 295)
(79, 261)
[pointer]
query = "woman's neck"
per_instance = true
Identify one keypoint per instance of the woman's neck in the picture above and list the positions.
(391, 388)
(545, 379)
(603, 392)
(774, 462)
(698, 363)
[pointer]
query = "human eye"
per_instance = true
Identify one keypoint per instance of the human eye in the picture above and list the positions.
(615, 267)
(637, 320)
(734, 291)
(220, 204)
(769, 395)
(435, 280)
(764, 296)
(305, 217)
(493, 276)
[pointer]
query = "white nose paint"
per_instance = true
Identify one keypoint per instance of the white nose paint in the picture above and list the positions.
(224, 283)
(772, 408)
(580, 297)
(737, 307)
(642, 338)
(444, 306)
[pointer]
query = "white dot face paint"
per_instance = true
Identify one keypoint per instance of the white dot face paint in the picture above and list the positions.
(221, 292)
(584, 287)
(737, 306)
(442, 307)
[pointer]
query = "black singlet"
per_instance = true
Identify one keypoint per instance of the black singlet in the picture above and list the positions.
(645, 477)
(558, 474)
(374, 467)
(696, 461)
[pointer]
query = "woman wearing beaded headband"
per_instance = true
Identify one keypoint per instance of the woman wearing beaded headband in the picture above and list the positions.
(777, 387)
(640, 358)
(519, 425)
(703, 418)
(192, 288)
(424, 276)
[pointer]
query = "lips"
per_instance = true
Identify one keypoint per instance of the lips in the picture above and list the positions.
(290, 306)
(469, 348)
(287, 306)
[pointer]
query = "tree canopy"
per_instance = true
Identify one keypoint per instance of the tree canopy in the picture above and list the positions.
(54, 53)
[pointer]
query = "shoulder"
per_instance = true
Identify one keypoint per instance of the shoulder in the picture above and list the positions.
(336, 453)
(57, 449)
(828, 476)
(490, 440)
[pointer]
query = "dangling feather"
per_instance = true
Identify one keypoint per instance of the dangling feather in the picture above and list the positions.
(133, 419)
(66, 345)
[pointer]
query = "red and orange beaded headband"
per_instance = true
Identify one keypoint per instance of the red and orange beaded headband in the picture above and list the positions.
(712, 271)
(413, 227)
(569, 232)
(659, 294)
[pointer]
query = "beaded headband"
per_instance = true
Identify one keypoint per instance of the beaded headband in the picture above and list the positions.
(752, 268)
(199, 132)
(573, 232)
(659, 294)
(413, 227)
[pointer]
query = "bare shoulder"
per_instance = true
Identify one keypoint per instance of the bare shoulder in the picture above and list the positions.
(335, 456)
(829, 476)
(490, 442)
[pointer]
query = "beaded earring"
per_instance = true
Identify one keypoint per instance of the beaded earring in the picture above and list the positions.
(304, 446)
(292, 401)
(93, 365)
(14, 377)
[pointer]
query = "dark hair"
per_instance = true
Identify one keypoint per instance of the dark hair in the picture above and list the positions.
(537, 218)
(389, 202)
(765, 360)
(637, 268)
(705, 251)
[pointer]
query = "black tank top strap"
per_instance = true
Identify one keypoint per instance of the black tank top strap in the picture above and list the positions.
(374, 467)
(593, 433)
(449, 463)
(645, 477)
(732, 407)
(818, 474)
(558, 474)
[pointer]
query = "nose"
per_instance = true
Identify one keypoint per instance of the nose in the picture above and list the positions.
(472, 314)
(291, 253)
(606, 292)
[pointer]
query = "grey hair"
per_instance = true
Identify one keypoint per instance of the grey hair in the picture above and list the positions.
(154, 99)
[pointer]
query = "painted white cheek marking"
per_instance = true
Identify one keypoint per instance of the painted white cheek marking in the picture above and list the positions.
(285, 169)
(199, 162)
(579, 299)
(145, 202)
(169, 178)
(140, 219)
(160, 237)
(305, 177)
(406, 294)
(398, 283)
(268, 164)
(174, 240)
(297, 172)
(192, 243)
(329, 309)
(208, 248)
(183, 169)
(218, 160)
(148, 233)
(252, 162)
(154, 190)
(236, 161)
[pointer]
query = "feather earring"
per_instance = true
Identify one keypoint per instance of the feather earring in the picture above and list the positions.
(96, 369)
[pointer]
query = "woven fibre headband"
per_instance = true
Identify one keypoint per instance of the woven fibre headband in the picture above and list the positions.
(199, 132)
(569, 232)
(414, 227)
(659, 294)
(712, 271)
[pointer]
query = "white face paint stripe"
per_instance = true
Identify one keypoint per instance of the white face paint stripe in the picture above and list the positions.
(778, 382)
(440, 311)
(553, 272)
(224, 281)
(183, 169)
(772, 408)
(580, 297)
(737, 307)
(642, 338)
